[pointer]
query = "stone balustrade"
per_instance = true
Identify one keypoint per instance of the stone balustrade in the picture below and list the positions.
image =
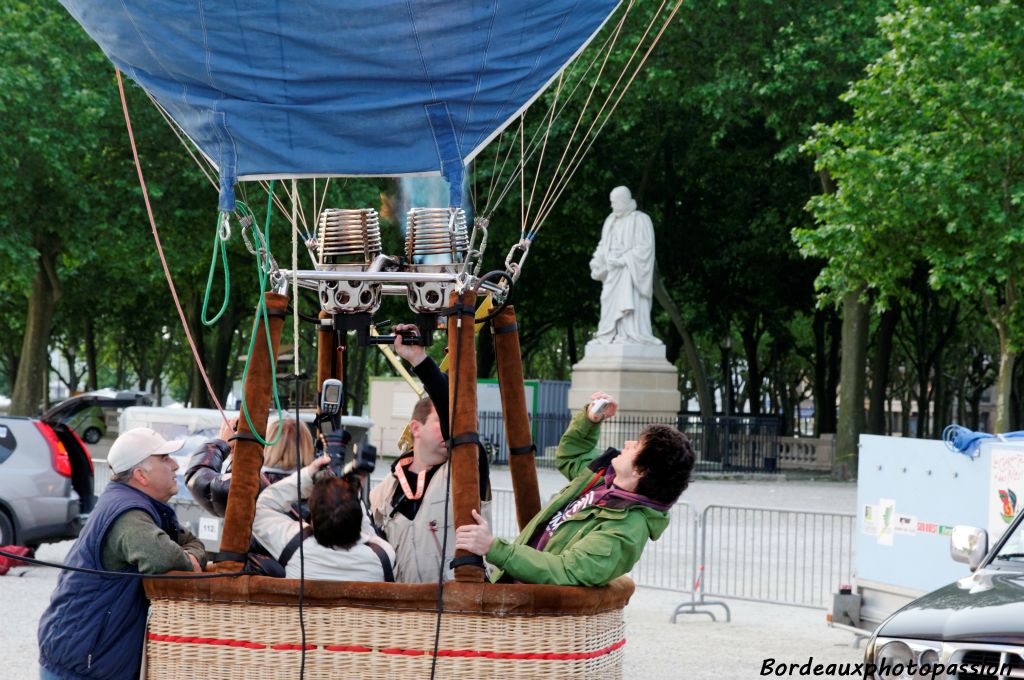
(807, 453)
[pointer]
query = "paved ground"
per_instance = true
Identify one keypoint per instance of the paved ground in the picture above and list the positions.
(694, 648)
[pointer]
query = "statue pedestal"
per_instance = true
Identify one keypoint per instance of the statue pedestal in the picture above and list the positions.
(639, 376)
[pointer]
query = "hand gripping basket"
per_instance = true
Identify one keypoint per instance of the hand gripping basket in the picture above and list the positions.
(248, 628)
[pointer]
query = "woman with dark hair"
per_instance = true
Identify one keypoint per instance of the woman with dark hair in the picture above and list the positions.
(596, 528)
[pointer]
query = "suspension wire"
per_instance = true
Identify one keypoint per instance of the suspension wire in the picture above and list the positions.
(220, 238)
(539, 221)
(547, 130)
(522, 178)
(590, 96)
(202, 162)
(586, 104)
(160, 249)
(280, 204)
(536, 134)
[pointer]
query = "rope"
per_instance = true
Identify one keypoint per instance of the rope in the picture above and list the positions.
(220, 239)
(263, 266)
(160, 249)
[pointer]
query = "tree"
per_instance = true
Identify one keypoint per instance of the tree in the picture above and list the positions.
(930, 167)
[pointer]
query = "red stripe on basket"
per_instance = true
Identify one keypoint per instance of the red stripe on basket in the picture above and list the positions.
(519, 656)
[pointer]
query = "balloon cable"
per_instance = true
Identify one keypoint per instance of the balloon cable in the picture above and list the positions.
(160, 249)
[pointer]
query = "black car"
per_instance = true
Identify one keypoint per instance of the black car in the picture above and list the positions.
(972, 628)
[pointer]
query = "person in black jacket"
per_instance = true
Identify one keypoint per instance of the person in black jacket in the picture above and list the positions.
(208, 476)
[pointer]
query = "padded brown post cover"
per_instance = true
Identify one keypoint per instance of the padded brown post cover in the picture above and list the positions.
(523, 467)
(325, 367)
(245, 467)
(462, 405)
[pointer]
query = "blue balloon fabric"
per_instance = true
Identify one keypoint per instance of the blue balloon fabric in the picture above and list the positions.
(270, 89)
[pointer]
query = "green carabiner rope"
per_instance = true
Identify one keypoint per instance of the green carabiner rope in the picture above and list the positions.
(263, 271)
(219, 242)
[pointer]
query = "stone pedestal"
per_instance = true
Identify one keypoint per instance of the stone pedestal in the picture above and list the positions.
(639, 376)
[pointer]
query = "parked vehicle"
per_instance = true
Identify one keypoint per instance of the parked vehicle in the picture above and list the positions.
(84, 413)
(974, 627)
(46, 482)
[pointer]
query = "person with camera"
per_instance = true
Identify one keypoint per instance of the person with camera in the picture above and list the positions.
(337, 543)
(208, 475)
(596, 528)
(409, 505)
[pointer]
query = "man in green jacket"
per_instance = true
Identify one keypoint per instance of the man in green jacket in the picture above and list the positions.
(596, 528)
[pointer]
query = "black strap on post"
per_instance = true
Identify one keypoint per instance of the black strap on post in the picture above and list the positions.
(385, 563)
(501, 330)
(464, 438)
(293, 544)
(228, 556)
(474, 560)
(520, 450)
(278, 313)
(247, 436)
(460, 308)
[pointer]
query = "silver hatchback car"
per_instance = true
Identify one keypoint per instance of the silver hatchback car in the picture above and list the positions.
(46, 482)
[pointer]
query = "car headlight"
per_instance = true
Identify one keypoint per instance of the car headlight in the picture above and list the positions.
(891, 659)
(896, 655)
(929, 657)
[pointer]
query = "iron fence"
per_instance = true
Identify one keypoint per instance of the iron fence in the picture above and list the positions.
(733, 443)
(721, 444)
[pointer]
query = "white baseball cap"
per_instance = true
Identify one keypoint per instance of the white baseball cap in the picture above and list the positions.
(136, 445)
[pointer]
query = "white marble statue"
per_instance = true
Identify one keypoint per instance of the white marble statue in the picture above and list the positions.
(624, 263)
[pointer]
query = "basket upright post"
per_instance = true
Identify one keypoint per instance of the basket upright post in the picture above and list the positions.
(464, 465)
(248, 452)
(522, 459)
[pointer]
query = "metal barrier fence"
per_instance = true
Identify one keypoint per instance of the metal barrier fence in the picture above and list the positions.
(670, 562)
(789, 557)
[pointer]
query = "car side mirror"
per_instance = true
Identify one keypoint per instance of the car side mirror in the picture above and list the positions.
(969, 545)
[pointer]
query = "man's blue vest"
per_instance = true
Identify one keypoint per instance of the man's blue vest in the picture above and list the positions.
(95, 625)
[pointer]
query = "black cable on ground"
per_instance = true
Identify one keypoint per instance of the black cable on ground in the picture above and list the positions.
(104, 572)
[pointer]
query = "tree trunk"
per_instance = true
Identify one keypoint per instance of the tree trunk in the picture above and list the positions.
(90, 354)
(880, 370)
(750, 338)
(199, 396)
(851, 382)
(1004, 380)
(693, 360)
(832, 377)
(31, 387)
(571, 346)
(820, 368)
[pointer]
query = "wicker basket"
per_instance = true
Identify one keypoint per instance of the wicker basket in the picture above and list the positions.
(252, 630)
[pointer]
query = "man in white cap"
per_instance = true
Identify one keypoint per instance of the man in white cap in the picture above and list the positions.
(94, 626)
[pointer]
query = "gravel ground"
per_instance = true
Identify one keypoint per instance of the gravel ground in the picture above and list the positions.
(695, 647)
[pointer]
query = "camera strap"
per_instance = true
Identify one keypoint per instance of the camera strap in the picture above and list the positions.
(421, 480)
(293, 545)
(385, 563)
